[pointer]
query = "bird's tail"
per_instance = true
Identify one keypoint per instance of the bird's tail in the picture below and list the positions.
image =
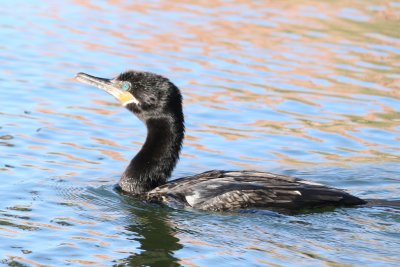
(382, 203)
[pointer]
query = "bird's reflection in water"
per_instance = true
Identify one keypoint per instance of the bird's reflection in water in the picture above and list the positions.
(155, 235)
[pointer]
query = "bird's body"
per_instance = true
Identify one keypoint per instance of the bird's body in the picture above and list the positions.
(158, 103)
(231, 190)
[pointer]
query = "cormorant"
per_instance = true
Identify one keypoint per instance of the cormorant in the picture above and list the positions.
(157, 102)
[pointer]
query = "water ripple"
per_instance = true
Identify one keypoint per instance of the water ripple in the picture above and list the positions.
(305, 88)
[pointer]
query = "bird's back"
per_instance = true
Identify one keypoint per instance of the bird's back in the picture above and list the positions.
(231, 190)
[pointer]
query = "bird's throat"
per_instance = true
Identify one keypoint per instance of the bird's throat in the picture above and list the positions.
(153, 164)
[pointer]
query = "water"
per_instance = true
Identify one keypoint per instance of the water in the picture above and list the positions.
(302, 88)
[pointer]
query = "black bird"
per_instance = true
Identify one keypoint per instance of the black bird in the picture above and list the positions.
(157, 102)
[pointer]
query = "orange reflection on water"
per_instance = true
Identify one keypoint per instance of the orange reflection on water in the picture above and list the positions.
(287, 51)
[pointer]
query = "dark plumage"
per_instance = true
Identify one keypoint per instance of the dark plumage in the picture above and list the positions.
(158, 103)
(230, 190)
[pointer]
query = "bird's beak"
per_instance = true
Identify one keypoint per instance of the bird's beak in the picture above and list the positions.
(111, 86)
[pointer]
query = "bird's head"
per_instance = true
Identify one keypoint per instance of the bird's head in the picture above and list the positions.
(147, 95)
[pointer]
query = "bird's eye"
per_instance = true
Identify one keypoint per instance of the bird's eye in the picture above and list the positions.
(126, 86)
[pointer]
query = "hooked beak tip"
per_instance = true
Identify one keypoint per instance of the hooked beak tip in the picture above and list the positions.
(107, 85)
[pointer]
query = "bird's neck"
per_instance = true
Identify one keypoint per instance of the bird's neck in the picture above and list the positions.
(154, 163)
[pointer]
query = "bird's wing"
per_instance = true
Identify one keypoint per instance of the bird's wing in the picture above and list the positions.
(230, 190)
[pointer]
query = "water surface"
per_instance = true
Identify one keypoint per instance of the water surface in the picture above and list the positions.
(302, 88)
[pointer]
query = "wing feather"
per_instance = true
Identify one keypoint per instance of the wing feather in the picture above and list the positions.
(230, 190)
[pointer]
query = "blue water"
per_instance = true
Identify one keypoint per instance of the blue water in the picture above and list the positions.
(303, 88)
